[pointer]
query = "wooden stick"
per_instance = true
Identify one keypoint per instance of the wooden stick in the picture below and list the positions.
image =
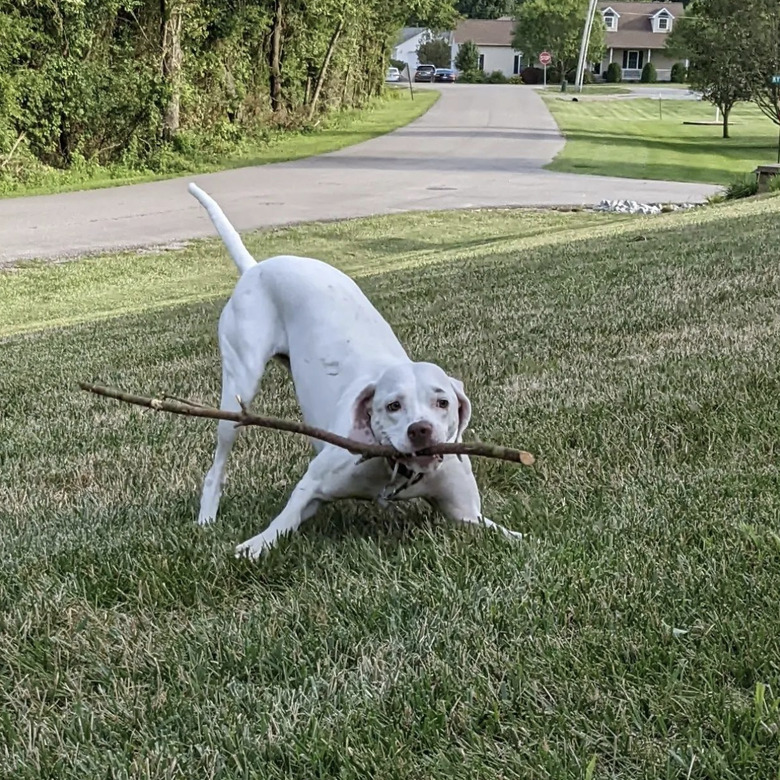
(244, 418)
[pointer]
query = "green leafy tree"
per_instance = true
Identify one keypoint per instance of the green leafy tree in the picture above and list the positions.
(467, 58)
(153, 84)
(714, 36)
(484, 9)
(556, 26)
(435, 52)
(763, 57)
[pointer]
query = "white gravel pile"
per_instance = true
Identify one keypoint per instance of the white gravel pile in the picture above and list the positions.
(632, 207)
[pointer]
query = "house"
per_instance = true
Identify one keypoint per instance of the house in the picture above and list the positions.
(636, 34)
(493, 38)
(407, 43)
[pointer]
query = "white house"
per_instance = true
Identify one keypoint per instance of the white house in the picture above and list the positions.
(407, 43)
(493, 38)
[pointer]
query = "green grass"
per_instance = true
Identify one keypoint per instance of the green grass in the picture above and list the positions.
(345, 128)
(633, 636)
(591, 89)
(627, 138)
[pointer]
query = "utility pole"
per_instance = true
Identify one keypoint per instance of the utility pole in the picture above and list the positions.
(587, 27)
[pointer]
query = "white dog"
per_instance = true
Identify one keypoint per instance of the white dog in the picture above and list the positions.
(352, 377)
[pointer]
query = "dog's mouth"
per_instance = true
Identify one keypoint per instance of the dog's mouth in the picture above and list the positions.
(422, 464)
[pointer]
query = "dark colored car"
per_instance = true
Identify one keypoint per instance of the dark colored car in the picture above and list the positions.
(444, 75)
(425, 73)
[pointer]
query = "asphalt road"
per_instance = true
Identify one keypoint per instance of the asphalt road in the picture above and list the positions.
(479, 146)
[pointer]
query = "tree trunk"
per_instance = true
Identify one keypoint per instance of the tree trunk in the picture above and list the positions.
(726, 112)
(347, 83)
(171, 19)
(276, 57)
(324, 69)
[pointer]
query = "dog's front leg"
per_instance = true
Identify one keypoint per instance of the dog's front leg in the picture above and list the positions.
(456, 495)
(303, 503)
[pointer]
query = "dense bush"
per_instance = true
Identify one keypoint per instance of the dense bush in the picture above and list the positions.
(679, 73)
(532, 75)
(649, 75)
(472, 77)
(134, 84)
(495, 77)
(614, 73)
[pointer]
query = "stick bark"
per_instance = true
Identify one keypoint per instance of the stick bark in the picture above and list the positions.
(368, 451)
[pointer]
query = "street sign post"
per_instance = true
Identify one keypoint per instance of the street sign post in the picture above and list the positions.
(776, 78)
(545, 58)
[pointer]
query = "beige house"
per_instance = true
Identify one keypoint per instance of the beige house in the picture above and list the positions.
(493, 38)
(636, 34)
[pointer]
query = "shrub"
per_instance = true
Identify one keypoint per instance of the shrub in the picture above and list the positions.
(533, 75)
(649, 75)
(400, 64)
(614, 73)
(516, 80)
(745, 187)
(496, 77)
(472, 77)
(467, 58)
(679, 73)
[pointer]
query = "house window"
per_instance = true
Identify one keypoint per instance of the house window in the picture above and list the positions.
(663, 23)
(610, 21)
(632, 60)
(516, 66)
(482, 62)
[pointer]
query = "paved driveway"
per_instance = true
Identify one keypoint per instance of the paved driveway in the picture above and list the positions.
(478, 146)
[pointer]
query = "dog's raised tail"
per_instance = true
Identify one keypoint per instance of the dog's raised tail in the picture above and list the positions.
(227, 232)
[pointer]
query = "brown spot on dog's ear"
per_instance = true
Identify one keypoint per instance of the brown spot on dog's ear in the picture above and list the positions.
(361, 416)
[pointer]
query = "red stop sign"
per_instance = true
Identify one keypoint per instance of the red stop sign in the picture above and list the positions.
(545, 58)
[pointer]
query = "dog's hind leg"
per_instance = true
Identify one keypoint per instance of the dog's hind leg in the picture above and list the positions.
(245, 353)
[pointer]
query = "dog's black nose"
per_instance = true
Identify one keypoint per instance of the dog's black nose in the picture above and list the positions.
(419, 434)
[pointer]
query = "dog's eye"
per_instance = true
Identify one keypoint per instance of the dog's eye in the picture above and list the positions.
(393, 406)
(442, 403)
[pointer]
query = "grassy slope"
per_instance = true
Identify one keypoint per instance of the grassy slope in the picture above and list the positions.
(627, 138)
(637, 626)
(344, 129)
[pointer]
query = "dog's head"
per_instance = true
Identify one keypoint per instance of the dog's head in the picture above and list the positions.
(411, 407)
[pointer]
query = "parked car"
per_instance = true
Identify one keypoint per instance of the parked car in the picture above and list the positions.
(393, 74)
(425, 73)
(444, 75)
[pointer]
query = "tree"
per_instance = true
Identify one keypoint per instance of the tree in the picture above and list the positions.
(714, 36)
(484, 9)
(764, 55)
(435, 52)
(556, 26)
(467, 58)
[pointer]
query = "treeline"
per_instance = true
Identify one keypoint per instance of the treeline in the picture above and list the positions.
(131, 82)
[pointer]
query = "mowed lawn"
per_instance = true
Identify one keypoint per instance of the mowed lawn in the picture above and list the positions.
(633, 635)
(632, 138)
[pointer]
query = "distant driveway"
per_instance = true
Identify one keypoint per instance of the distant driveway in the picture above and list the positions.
(479, 146)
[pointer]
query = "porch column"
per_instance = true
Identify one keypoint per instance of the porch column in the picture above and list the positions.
(610, 54)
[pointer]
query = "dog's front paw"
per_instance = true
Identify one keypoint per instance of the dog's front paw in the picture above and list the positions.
(206, 518)
(253, 548)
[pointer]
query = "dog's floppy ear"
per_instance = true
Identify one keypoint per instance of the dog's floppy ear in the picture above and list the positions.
(464, 407)
(361, 416)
